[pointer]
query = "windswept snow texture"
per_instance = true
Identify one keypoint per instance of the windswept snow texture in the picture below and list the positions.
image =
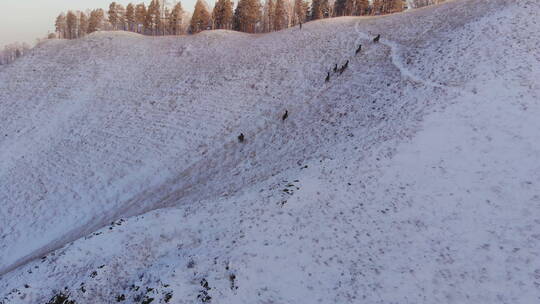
(413, 177)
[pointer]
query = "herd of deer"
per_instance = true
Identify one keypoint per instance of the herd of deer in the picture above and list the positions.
(342, 69)
(339, 70)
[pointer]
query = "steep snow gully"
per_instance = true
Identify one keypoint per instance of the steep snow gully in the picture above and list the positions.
(409, 178)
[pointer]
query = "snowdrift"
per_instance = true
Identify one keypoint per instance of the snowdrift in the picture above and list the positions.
(409, 178)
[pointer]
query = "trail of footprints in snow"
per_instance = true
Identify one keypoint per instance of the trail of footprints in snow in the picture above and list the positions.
(399, 64)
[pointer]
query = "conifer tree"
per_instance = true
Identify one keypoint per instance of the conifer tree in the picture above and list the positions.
(238, 18)
(140, 18)
(271, 14)
(130, 17)
(326, 9)
(377, 7)
(159, 13)
(305, 10)
(223, 14)
(176, 19)
(96, 20)
(154, 10)
(390, 6)
(268, 17)
(280, 21)
(152, 17)
(61, 26)
(201, 18)
(165, 23)
(315, 11)
(83, 25)
(299, 14)
(254, 15)
(319, 9)
(339, 8)
(113, 15)
(149, 20)
(350, 7)
(394, 6)
(384, 7)
(71, 24)
(121, 14)
(247, 15)
(362, 7)
(343, 8)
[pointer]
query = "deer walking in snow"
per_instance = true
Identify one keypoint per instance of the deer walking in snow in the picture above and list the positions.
(344, 67)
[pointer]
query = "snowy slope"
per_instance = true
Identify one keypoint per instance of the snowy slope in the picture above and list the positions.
(410, 178)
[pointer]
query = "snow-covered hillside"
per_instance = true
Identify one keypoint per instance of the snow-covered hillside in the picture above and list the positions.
(413, 177)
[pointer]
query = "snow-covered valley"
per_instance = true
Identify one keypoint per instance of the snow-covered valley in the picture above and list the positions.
(412, 177)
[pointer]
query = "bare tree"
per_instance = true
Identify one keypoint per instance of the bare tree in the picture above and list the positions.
(12, 52)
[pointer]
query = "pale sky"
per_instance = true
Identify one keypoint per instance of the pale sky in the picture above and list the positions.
(26, 20)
